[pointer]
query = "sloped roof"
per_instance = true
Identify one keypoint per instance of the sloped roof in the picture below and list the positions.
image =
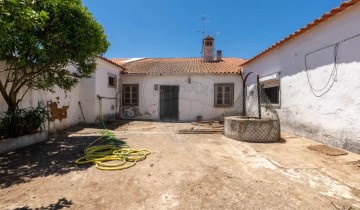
(112, 62)
(311, 25)
(118, 60)
(180, 66)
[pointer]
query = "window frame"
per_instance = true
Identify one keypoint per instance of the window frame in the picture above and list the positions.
(231, 85)
(131, 92)
(115, 79)
(274, 105)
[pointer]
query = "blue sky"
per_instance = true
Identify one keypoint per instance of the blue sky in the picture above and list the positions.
(168, 28)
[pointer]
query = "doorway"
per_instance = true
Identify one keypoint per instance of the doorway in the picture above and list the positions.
(169, 103)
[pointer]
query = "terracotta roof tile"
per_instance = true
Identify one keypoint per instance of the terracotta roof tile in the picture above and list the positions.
(112, 62)
(180, 66)
(119, 60)
(317, 21)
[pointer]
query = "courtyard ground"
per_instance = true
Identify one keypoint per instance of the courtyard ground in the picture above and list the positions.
(185, 171)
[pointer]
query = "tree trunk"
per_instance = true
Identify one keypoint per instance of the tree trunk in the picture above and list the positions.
(12, 105)
(11, 108)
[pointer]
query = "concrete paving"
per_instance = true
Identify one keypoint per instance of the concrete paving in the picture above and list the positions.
(200, 171)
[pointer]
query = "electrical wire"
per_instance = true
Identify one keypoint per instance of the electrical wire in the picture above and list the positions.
(334, 71)
(332, 75)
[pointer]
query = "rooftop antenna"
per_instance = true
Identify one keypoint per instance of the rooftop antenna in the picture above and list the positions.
(204, 21)
(202, 31)
(213, 34)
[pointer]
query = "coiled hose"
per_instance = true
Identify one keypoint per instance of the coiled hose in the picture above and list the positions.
(100, 155)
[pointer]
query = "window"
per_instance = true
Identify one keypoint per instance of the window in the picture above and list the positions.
(271, 85)
(224, 95)
(112, 80)
(131, 95)
(209, 44)
(273, 94)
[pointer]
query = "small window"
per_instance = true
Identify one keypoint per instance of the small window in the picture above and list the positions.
(224, 95)
(112, 80)
(131, 95)
(271, 87)
(209, 44)
(273, 94)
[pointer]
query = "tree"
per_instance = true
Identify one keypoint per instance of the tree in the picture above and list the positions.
(39, 39)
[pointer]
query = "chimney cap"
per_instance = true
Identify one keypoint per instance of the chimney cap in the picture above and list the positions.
(219, 55)
(208, 38)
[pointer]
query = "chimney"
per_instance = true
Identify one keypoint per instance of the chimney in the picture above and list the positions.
(208, 49)
(218, 55)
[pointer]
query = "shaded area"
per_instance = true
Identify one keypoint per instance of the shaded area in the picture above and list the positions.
(109, 125)
(60, 204)
(53, 157)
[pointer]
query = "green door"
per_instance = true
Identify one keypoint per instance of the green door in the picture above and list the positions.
(169, 103)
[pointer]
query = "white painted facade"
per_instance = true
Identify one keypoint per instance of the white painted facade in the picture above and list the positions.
(321, 101)
(110, 107)
(196, 96)
(85, 92)
(97, 86)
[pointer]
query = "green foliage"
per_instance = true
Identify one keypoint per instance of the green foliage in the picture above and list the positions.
(108, 137)
(40, 38)
(23, 122)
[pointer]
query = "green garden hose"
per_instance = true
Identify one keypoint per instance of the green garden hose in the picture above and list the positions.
(100, 155)
(110, 149)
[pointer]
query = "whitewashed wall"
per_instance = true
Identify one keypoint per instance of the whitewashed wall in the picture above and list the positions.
(88, 99)
(62, 98)
(85, 92)
(322, 103)
(109, 106)
(196, 98)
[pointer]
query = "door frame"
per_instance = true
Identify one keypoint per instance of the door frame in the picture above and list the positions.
(178, 101)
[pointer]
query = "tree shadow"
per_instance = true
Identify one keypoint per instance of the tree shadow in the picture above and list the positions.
(113, 125)
(60, 204)
(53, 157)
(109, 125)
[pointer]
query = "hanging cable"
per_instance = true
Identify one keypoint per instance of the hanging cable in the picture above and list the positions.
(334, 71)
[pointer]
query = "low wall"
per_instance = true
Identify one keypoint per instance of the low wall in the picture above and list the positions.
(8, 145)
(252, 130)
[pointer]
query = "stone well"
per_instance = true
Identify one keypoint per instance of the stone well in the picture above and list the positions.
(252, 129)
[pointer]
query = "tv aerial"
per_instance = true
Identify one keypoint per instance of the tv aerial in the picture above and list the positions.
(203, 32)
(204, 21)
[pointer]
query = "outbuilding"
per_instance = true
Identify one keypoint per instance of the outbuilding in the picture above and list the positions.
(92, 98)
(312, 78)
(181, 89)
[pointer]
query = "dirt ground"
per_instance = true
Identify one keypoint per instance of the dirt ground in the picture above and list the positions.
(185, 171)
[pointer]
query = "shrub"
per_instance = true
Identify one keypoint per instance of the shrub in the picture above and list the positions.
(23, 122)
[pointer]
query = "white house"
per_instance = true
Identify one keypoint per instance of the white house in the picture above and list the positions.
(181, 89)
(313, 76)
(176, 89)
(101, 90)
